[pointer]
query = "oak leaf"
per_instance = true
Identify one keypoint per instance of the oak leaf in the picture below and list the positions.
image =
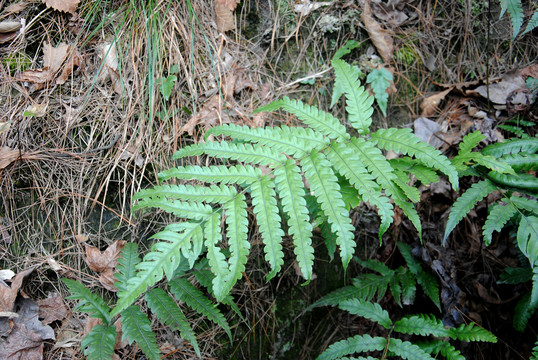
(105, 262)
(69, 6)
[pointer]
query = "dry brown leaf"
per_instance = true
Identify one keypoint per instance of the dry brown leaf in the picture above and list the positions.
(531, 71)
(53, 57)
(9, 26)
(69, 6)
(4, 38)
(52, 309)
(501, 90)
(209, 116)
(380, 37)
(4, 126)
(430, 105)
(230, 4)
(25, 341)
(225, 17)
(37, 110)
(8, 294)
(391, 11)
(15, 8)
(7, 156)
(105, 262)
(74, 61)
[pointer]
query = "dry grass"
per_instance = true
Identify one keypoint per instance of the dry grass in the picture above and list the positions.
(94, 148)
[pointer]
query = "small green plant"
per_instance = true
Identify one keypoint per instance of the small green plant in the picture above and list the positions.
(402, 283)
(135, 325)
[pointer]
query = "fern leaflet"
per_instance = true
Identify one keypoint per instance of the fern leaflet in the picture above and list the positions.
(472, 333)
(183, 290)
(527, 238)
(355, 344)
(99, 343)
(407, 350)
(516, 14)
(336, 297)
(136, 326)
(170, 314)
(126, 268)
(497, 218)
(368, 310)
(421, 325)
(466, 202)
(88, 302)
(240, 174)
(532, 24)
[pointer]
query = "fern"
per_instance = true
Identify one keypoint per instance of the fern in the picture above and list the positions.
(380, 80)
(99, 343)
(368, 310)
(355, 344)
(88, 302)
(516, 14)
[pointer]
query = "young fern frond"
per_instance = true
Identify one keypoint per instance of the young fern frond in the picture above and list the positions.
(136, 326)
(99, 343)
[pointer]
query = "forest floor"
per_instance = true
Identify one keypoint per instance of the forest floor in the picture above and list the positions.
(95, 99)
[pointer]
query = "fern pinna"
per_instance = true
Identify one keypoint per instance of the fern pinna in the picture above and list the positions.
(271, 165)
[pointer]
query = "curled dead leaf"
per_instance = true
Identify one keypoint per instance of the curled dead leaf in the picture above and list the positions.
(105, 262)
(7, 156)
(8, 294)
(9, 26)
(52, 309)
(430, 104)
(379, 36)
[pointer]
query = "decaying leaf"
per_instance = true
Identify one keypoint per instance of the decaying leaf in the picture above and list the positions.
(380, 37)
(105, 262)
(9, 26)
(37, 110)
(6, 37)
(430, 105)
(426, 130)
(230, 4)
(225, 17)
(6, 274)
(4, 126)
(15, 8)
(69, 6)
(501, 90)
(391, 11)
(7, 156)
(59, 62)
(307, 7)
(109, 67)
(25, 341)
(8, 294)
(52, 309)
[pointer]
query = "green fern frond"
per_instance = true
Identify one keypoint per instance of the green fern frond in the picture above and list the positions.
(181, 209)
(408, 284)
(378, 266)
(407, 350)
(470, 141)
(291, 190)
(318, 120)
(498, 217)
(336, 297)
(355, 344)
(211, 194)
(99, 343)
(471, 332)
(324, 184)
(282, 139)
(266, 211)
(368, 310)
(184, 291)
(88, 302)
(370, 285)
(527, 238)
(521, 162)
(408, 165)
(491, 163)
(408, 208)
(216, 259)
(136, 326)
(466, 202)
(515, 275)
(237, 234)
(162, 305)
(249, 153)
(532, 24)
(516, 14)
(239, 174)
(522, 312)
(512, 146)
(429, 284)
(126, 268)
(412, 193)
(525, 182)
(163, 258)
(524, 203)
(421, 324)
(353, 169)
(379, 80)
(405, 142)
(358, 101)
